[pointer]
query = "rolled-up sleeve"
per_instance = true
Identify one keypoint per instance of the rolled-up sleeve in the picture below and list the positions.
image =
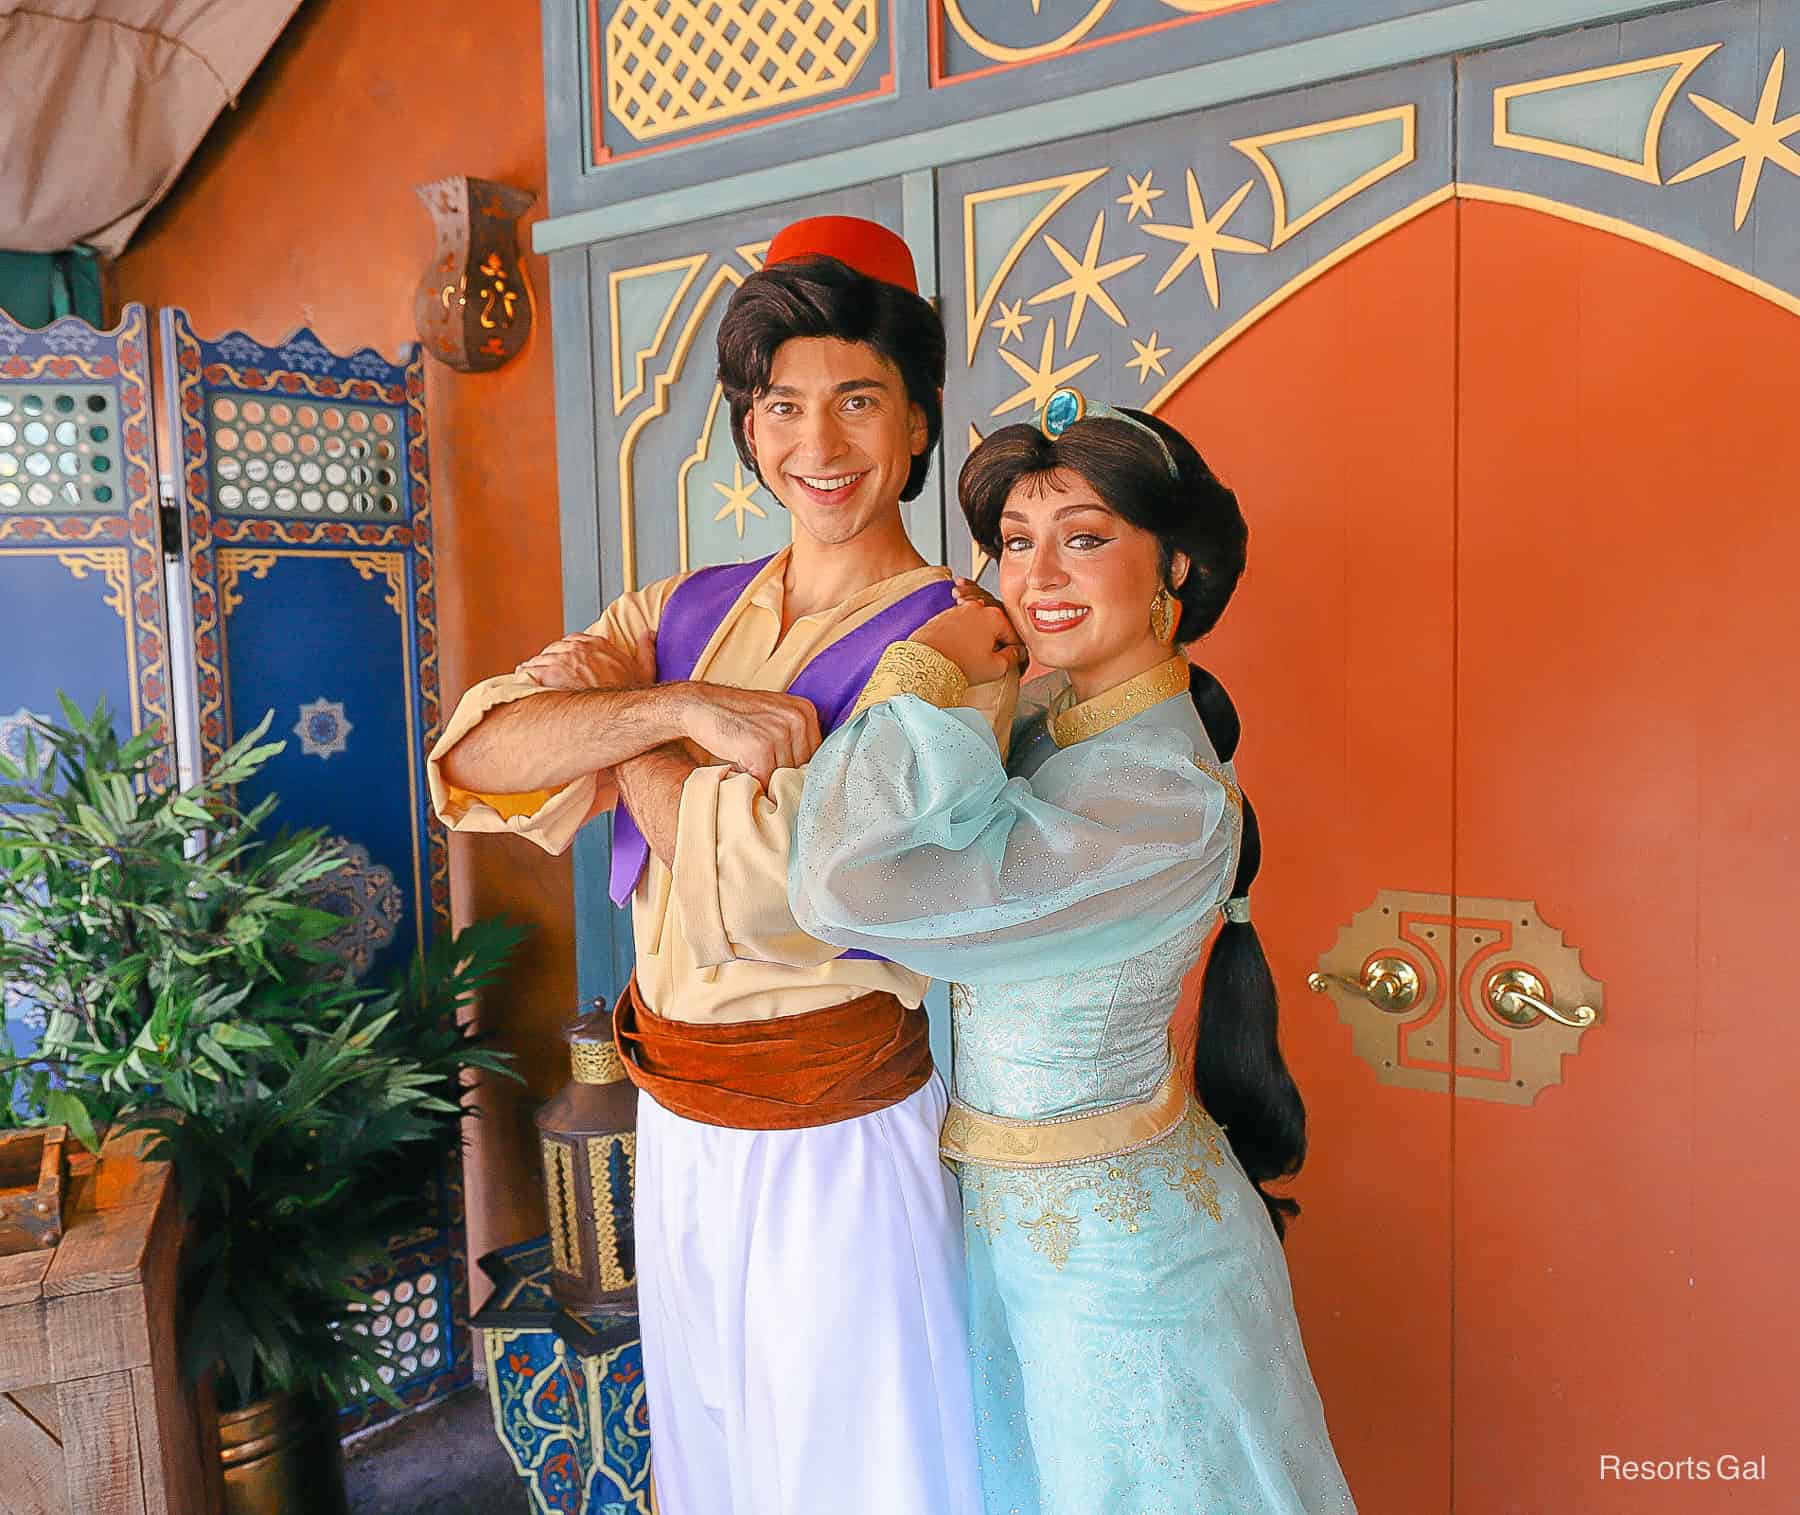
(550, 818)
(733, 841)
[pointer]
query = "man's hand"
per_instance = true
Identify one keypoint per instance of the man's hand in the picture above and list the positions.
(753, 730)
(580, 661)
(977, 637)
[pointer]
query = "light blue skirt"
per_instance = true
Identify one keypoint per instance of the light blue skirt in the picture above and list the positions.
(1134, 1344)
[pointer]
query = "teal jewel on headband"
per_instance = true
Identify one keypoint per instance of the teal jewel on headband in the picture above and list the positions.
(1062, 410)
(1068, 405)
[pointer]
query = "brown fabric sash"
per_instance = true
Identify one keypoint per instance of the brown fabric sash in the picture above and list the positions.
(777, 1075)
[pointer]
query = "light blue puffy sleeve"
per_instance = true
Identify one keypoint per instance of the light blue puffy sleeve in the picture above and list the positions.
(913, 842)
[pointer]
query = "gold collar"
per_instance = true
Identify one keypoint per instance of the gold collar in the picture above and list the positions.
(1076, 723)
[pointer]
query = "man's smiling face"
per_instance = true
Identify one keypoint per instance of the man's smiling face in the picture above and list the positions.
(835, 436)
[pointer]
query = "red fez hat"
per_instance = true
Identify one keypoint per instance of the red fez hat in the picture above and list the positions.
(871, 249)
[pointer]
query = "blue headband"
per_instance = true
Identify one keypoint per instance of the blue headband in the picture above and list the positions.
(1068, 405)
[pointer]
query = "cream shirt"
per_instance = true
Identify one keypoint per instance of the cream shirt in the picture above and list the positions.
(715, 938)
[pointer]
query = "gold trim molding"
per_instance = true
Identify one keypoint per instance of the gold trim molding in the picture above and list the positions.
(390, 566)
(618, 277)
(111, 563)
(976, 308)
(1646, 168)
(663, 385)
(234, 561)
(1254, 147)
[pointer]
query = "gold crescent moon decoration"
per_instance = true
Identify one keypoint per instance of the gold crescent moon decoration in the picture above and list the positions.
(1001, 52)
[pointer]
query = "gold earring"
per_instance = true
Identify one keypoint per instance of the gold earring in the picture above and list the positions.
(1165, 613)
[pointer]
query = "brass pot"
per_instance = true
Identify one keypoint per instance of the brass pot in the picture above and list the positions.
(280, 1456)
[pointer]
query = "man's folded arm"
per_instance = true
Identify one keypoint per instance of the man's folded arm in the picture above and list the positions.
(540, 763)
(730, 855)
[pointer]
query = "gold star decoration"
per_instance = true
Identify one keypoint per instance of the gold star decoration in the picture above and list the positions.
(1149, 359)
(1012, 322)
(1087, 279)
(738, 501)
(1139, 197)
(1204, 239)
(1042, 381)
(1754, 143)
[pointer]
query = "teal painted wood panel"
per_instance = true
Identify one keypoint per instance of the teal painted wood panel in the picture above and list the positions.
(1234, 55)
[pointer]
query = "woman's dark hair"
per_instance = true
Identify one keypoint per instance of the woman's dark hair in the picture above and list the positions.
(1239, 1074)
(821, 297)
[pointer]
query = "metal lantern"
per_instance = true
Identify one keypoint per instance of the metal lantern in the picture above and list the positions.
(589, 1138)
(472, 309)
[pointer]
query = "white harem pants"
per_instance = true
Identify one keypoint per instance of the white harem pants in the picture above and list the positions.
(802, 1305)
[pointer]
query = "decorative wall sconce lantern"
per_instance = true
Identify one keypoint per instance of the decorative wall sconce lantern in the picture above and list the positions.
(589, 1138)
(472, 309)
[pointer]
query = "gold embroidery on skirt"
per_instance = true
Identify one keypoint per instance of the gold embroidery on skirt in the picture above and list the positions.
(1049, 1208)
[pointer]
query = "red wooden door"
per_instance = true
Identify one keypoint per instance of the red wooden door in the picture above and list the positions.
(1627, 744)
(1513, 655)
(1334, 418)
(1518, 625)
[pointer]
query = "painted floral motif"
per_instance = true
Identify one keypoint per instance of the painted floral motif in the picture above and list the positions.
(13, 730)
(323, 728)
(240, 349)
(577, 1428)
(365, 893)
(305, 353)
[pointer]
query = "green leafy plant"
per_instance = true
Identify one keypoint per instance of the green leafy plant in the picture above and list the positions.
(190, 992)
(12, 1083)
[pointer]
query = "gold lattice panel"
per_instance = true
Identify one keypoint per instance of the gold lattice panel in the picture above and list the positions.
(676, 64)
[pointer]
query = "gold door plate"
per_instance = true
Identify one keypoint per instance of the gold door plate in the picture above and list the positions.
(1487, 946)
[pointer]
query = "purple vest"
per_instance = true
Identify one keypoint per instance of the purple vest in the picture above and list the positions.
(832, 680)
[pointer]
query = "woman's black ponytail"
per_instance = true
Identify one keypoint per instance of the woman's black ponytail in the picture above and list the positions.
(1239, 1075)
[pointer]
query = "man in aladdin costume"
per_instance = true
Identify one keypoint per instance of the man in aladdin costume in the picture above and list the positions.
(798, 1241)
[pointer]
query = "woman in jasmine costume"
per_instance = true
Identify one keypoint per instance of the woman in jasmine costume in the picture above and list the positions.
(1134, 1343)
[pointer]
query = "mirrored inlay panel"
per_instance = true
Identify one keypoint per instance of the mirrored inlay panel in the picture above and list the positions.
(304, 457)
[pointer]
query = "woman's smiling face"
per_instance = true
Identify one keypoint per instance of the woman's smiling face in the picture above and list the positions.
(1078, 579)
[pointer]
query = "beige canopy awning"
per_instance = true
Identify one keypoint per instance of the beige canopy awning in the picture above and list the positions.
(103, 101)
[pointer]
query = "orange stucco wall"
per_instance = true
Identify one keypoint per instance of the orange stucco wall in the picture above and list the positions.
(299, 210)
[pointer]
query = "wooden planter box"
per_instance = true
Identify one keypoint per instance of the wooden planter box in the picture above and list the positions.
(93, 1416)
(31, 1189)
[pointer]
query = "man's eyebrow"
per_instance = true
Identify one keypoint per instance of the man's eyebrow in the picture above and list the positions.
(787, 391)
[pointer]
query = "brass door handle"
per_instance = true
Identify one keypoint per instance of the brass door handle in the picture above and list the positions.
(1518, 996)
(1388, 983)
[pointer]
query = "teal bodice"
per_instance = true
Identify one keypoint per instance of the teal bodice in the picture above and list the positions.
(1074, 1042)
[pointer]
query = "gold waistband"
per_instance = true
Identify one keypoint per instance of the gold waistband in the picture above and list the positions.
(971, 1135)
